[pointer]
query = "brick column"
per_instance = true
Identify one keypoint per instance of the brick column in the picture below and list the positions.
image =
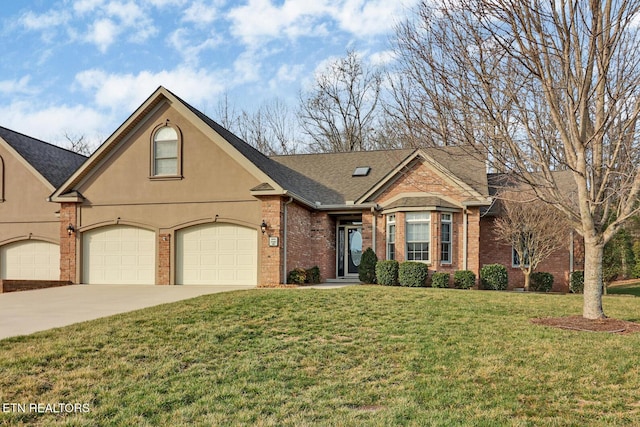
(68, 243)
(473, 236)
(271, 257)
(164, 261)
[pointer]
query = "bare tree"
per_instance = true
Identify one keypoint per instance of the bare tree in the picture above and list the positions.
(226, 113)
(270, 129)
(543, 86)
(534, 230)
(78, 144)
(339, 112)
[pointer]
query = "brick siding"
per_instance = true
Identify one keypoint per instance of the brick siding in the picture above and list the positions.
(28, 285)
(164, 259)
(558, 264)
(68, 243)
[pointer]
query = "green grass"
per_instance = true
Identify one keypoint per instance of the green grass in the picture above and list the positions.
(355, 356)
(628, 289)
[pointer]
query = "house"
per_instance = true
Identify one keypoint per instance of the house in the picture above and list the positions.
(173, 198)
(30, 170)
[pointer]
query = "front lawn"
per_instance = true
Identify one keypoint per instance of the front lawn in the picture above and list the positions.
(354, 356)
(625, 289)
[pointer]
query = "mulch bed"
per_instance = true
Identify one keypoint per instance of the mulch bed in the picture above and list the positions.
(579, 323)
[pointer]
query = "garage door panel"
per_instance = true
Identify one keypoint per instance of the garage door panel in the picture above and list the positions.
(216, 254)
(30, 260)
(119, 255)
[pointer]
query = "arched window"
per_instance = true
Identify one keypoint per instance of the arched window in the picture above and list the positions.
(166, 152)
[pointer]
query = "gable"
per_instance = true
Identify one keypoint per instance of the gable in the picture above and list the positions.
(419, 179)
(23, 191)
(209, 173)
(53, 164)
(197, 127)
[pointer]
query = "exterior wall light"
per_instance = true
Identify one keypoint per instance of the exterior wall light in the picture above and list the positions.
(263, 226)
(70, 229)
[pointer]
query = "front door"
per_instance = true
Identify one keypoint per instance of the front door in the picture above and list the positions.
(349, 250)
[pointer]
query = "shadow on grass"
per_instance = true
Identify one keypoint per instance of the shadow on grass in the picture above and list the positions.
(626, 289)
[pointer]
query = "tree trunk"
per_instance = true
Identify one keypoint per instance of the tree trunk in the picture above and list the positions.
(527, 279)
(592, 306)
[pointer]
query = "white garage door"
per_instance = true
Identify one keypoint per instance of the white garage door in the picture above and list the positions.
(119, 255)
(30, 260)
(217, 254)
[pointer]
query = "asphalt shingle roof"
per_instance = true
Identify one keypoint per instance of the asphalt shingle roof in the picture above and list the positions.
(328, 178)
(54, 163)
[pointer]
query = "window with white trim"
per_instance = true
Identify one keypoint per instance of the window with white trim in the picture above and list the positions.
(418, 235)
(166, 152)
(515, 257)
(445, 238)
(391, 236)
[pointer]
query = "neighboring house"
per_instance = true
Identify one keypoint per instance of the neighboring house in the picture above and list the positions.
(174, 198)
(30, 170)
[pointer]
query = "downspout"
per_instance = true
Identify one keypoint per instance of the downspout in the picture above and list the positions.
(284, 241)
(571, 254)
(465, 237)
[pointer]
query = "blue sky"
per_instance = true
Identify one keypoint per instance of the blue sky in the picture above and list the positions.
(81, 67)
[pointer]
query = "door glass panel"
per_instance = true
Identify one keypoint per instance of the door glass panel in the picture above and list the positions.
(354, 250)
(341, 245)
(355, 247)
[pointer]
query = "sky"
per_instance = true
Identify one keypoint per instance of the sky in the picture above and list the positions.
(81, 67)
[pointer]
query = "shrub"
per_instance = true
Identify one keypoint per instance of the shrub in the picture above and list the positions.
(494, 277)
(440, 280)
(413, 274)
(541, 282)
(464, 279)
(387, 272)
(297, 276)
(313, 275)
(367, 267)
(576, 285)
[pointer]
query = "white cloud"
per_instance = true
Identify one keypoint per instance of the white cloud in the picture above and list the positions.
(189, 49)
(382, 57)
(128, 91)
(50, 123)
(259, 20)
(103, 34)
(373, 17)
(286, 75)
(200, 13)
(85, 6)
(11, 87)
(45, 21)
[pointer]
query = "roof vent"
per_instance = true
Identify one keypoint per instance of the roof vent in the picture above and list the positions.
(361, 171)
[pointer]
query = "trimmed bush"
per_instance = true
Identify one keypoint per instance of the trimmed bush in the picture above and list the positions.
(464, 279)
(297, 276)
(387, 272)
(541, 282)
(313, 275)
(413, 274)
(494, 277)
(367, 267)
(576, 285)
(440, 280)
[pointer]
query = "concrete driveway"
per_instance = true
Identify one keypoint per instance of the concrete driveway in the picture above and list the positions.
(23, 313)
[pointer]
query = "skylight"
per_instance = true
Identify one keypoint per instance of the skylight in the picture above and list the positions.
(361, 171)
